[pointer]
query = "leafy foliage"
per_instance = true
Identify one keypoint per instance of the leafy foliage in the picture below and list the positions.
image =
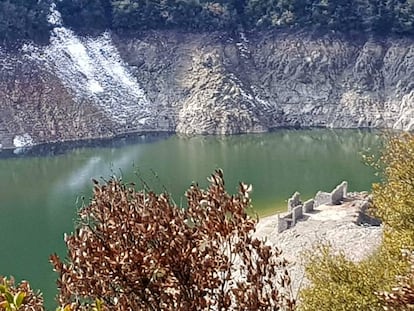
(354, 286)
(138, 251)
(20, 19)
(338, 283)
(401, 297)
(393, 198)
(188, 15)
(86, 15)
(23, 19)
(19, 297)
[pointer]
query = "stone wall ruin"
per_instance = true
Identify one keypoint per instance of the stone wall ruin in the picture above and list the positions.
(296, 210)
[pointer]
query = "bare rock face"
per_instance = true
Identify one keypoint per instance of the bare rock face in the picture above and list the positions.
(194, 75)
(35, 107)
(217, 83)
(216, 103)
(236, 83)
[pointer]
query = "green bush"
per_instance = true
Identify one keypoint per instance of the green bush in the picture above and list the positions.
(18, 297)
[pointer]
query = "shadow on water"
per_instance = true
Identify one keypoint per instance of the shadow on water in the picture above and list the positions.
(54, 149)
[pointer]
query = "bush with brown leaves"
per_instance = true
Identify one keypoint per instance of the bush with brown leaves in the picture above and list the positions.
(136, 250)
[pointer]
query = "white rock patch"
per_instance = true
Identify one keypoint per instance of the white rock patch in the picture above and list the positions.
(93, 69)
(21, 141)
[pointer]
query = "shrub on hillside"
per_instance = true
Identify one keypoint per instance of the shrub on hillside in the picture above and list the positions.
(136, 250)
(393, 198)
(401, 297)
(339, 284)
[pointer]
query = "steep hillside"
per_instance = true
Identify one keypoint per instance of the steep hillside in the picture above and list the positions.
(216, 83)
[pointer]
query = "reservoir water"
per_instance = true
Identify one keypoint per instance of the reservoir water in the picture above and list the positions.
(41, 189)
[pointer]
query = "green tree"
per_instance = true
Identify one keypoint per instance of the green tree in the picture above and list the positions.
(18, 297)
(271, 13)
(136, 15)
(22, 20)
(87, 16)
(404, 17)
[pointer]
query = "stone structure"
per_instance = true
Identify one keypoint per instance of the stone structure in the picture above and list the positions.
(203, 84)
(346, 227)
(322, 197)
(297, 213)
(308, 206)
(339, 193)
(296, 210)
(294, 201)
(334, 197)
(294, 213)
(282, 223)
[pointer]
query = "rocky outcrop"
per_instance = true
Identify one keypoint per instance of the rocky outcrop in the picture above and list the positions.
(218, 83)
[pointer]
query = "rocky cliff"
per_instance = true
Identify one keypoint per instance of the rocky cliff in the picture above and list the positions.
(217, 83)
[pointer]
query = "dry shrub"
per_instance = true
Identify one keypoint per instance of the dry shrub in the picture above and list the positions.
(136, 250)
(20, 297)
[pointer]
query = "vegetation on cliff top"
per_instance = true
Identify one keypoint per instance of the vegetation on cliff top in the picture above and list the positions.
(20, 19)
(24, 19)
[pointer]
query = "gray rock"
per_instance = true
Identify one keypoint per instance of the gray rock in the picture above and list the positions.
(322, 198)
(308, 206)
(339, 193)
(294, 201)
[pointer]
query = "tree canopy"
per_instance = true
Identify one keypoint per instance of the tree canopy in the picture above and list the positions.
(28, 19)
(24, 19)
(381, 16)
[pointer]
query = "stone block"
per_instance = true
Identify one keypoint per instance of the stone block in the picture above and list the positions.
(322, 198)
(294, 201)
(339, 193)
(282, 224)
(296, 214)
(308, 206)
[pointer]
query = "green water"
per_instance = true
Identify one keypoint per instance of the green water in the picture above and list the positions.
(39, 192)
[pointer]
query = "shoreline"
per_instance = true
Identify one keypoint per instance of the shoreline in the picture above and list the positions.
(98, 141)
